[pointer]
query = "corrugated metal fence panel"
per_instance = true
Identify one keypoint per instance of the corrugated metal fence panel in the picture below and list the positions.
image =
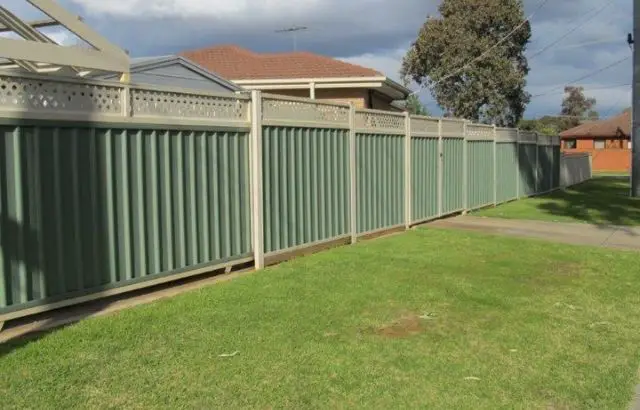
(453, 175)
(507, 171)
(545, 167)
(305, 185)
(479, 173)
(527, 167)
(424, 178)
(86, 209)
(380, 181)
(557, 153)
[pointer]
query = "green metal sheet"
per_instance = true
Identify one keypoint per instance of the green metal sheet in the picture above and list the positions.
(424, 178)
(507, 172)
(305, 185)
(556, 166)
(527, 167)
(380, 181)
(453, 175)
(480, 175)
(545, 168)
(82, 208)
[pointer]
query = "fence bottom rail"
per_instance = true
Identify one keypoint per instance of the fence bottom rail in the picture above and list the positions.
(115, 291)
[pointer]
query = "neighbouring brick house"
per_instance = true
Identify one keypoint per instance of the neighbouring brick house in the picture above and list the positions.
(301, 74)
(607, 140)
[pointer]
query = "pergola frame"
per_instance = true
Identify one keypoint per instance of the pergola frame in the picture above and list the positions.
(38, 53)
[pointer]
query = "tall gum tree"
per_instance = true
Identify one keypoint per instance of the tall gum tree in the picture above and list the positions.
(491, 90)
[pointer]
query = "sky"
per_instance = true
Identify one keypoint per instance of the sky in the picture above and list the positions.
(580, 36)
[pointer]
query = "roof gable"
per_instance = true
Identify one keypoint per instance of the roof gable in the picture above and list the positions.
(618, 126)
(177, 71)
(237, 63)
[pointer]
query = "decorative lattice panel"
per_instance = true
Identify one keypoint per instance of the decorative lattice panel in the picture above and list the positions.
(506, 134)
(452, 128)
(527, 137)
(545, 140)
(189, 106)
(425, 126)
(377, 121)
(479, 132)
(59, 96)
(276, 109)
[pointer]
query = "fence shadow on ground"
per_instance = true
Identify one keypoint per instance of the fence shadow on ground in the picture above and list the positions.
(602, 201)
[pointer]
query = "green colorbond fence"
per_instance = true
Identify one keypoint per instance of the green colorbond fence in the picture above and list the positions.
(453, 175)
(305, 185)
(480, 178)
(527, 165)
(507, 172)
(424, 178)
(85, 209)
(170, 186)
(380, 181)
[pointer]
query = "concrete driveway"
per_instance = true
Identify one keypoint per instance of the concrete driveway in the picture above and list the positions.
(622, 237)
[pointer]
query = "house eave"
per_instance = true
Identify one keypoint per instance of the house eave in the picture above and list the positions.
(383, 84)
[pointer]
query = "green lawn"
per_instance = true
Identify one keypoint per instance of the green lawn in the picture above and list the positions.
(604, 200)
(426, 319)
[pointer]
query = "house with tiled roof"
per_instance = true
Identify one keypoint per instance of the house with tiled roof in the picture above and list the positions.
(608, 141)
(301, 74)
(174, 71)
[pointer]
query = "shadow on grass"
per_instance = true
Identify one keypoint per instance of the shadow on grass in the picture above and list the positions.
(602, 201)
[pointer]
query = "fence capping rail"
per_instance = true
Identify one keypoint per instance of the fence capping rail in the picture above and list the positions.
(527, 137)
(303, 112)
(453, 127)
(380, 122)
(506, 134)
(422, 126)
(545, 140)
(480, 132)
(555, 140)
(66, 99)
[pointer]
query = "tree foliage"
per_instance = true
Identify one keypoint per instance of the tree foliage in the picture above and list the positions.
(547, 125)
(490, 90)
(415, 106)
(576, 107)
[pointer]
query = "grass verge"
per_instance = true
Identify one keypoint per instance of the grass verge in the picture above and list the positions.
(427, 319)
(604, 200)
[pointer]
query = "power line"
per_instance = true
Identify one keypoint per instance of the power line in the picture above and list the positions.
(591, 74)
(590, 43)
(481, 56)
(600, 87)
(565, 35)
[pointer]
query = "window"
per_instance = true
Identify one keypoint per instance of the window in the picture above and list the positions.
(599, 143)
(570, 143)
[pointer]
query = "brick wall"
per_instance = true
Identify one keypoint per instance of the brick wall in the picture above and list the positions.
(615, 157)
(607, 159)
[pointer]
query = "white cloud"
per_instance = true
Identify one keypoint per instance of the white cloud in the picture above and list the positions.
(372, 33)
(219, 9)
(388, 62)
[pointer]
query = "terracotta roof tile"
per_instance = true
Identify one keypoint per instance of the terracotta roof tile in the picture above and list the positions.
(236, 63)
(618, 126)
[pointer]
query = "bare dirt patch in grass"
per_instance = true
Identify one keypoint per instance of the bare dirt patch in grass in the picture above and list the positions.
(405, 326)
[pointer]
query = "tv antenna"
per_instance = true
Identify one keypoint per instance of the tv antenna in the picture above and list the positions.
(294, 33)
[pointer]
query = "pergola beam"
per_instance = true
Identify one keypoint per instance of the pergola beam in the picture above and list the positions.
(17, 50)
(34, 24)
(24, 30)
(80, 29)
